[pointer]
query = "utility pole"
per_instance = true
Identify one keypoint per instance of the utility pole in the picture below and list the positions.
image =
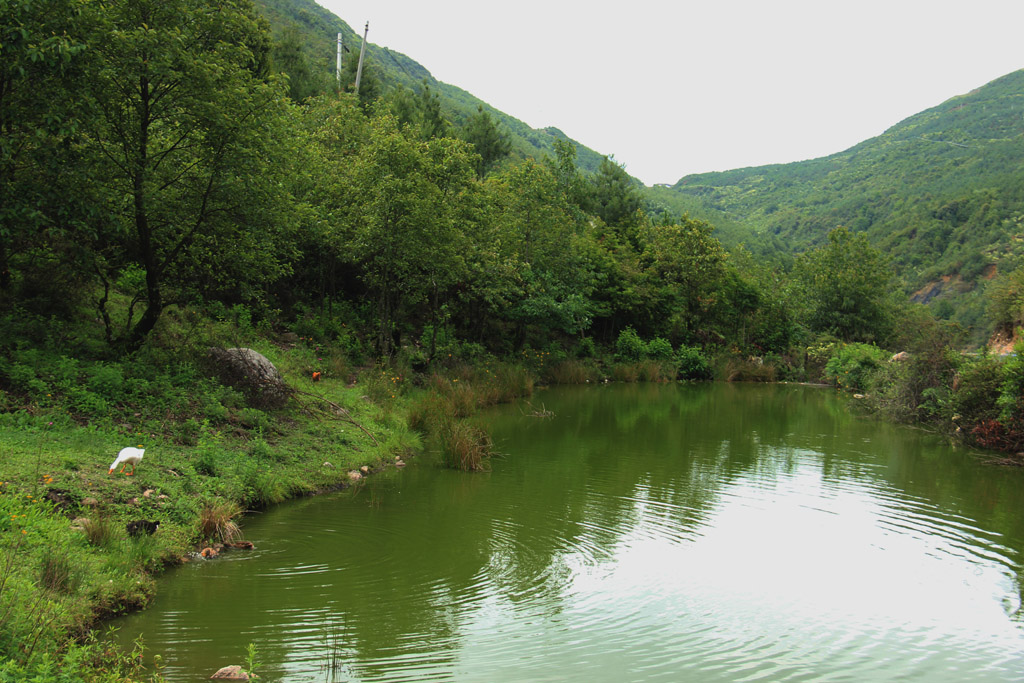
(362, 53)
(338, 70)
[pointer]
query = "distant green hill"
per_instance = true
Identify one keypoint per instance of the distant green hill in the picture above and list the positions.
(941, 192)
(317, 29)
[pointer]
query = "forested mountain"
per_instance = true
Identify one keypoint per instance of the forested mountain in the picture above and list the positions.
(941, 192)
(309, 32)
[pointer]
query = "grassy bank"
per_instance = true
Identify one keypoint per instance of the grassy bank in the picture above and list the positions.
(67, 560)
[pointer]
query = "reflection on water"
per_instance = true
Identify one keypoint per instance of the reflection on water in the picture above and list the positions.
(646, 533)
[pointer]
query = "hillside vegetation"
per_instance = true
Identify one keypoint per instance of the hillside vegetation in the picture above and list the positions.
(313, 30)
(165, 193)
(941, 192)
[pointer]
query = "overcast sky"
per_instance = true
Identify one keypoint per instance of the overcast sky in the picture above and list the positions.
(671, 88)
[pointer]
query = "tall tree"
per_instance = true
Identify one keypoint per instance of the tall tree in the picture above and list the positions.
(687, 267)
(188, 130)
(488, 142)
(846, 285)
(614, 197)
(289, 58)
(369, 84)
(403, 199)
(41, 57)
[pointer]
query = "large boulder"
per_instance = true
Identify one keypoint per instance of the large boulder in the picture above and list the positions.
(251, 373)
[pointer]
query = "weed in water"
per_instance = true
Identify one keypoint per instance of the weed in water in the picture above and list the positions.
(465, 446)
(250, 660)
(216, 521)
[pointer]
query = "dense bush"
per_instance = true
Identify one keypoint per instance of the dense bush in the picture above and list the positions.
(691, 363)
(629, 347)
(852, 365)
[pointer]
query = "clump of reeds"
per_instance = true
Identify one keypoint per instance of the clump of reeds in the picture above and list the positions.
(742, 370)
(652, 370)
(511, 382)
(56, 572)
(99, 531)
(217, 521)
(569, 371)
(629, 372)
(464, 446)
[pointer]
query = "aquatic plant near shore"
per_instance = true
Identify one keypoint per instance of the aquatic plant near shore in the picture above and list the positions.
(464, 446)
(217, 521)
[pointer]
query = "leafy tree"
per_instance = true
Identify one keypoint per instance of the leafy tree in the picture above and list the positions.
(613, 197)
(41, 59)
(567, 175)
(403, 197)
(846, 285)
(554, 278)
(369, 84)
(191, 142)
(289, 58)
(687, 266)
(489, 143)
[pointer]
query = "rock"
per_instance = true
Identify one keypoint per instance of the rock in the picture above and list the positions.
(901, 356)
(858, 395)
(327, 464)
(148, 493)
(90, 502)
(250, 372)
(354, 476)
(365, 469)
(231, 673)
(399, 463)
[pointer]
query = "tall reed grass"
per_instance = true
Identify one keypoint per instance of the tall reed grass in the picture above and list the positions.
(464, 446)
(217, 521)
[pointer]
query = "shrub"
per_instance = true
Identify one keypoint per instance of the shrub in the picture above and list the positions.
(107, 381)
(586, 348)
(691, 363)
(659, 349)
(629, 347)
(975, 390)
(852, 365)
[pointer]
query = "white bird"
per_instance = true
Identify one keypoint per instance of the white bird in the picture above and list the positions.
(127, 456)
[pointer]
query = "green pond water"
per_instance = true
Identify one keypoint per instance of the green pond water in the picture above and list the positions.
(711, 532)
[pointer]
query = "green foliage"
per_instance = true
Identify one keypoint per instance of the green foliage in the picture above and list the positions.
(614, 197)
(487, 140)
(659, 349)
(853, 365)
(938, 193)
(846, 286)
(1011, 393)
(629, 347)
(692, 364)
